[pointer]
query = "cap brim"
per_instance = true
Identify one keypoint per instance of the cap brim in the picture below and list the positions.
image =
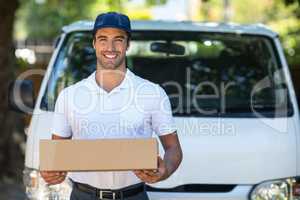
(111, 26)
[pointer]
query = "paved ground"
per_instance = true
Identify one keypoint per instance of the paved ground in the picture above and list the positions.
(12, 192)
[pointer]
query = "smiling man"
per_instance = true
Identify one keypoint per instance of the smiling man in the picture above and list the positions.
(116, 93)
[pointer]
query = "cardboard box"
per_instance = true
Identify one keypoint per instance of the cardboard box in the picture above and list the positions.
(98, 155)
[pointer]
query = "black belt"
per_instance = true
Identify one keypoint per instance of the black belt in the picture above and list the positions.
(111, 194)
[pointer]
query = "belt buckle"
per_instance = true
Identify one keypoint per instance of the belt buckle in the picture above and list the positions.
(101, 192)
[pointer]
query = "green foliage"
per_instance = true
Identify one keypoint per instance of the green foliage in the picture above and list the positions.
(283, 16)
(288, 2)
(111, 5)
(289, 30)
(155, 2)
(297, 8)
(44, 20)
(21, 64)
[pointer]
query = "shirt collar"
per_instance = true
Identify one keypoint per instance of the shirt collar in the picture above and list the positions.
(127, 82)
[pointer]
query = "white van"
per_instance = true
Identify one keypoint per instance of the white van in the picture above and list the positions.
(232, 98)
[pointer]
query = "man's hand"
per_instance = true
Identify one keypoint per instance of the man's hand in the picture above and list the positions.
(53, 178)
(167, 166)
(153, 176)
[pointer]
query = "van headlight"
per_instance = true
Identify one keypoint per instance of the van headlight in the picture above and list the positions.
(283, 189)
(37, 189)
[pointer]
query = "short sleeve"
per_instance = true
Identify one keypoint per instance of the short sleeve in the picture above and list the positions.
(60, 124)
(161, 116)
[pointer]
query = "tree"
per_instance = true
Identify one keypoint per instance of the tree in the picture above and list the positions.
(289, 2)
(43, 21)
(8, 119)
(291, 38)
(155, 2)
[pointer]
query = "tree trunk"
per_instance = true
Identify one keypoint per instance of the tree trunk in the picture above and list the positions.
(8, 119)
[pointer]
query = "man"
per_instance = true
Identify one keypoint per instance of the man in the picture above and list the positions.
(114, 103)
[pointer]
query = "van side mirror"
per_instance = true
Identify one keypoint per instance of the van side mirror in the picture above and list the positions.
(21, 96)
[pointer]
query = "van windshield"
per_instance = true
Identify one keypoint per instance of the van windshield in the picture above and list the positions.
(204, 74)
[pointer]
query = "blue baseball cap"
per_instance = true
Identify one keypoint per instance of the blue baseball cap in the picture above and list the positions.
(113, 20)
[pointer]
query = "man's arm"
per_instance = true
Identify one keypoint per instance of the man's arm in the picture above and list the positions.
(167, 166)
(173, 152)
(54, 177)
(56, 137)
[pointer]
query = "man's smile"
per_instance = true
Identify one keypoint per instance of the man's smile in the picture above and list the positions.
(110, 55)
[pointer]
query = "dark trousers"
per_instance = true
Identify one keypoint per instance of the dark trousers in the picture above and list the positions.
(80, 195)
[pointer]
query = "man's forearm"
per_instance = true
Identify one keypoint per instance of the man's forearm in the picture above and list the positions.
(172, 158)
(56, 137)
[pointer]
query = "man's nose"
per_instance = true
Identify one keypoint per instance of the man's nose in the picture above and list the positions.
(111, 46)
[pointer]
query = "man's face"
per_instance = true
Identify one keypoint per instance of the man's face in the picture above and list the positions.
(111, 45)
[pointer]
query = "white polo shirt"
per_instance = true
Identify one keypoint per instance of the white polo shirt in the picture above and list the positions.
(134, 109)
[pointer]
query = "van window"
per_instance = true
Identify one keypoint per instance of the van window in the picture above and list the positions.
(204, 74)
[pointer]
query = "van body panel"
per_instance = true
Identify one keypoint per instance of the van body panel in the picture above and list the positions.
(252, 153)
(240, 192)
(40, 129)
(293, 98)
(33, 134)
(137, 25)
